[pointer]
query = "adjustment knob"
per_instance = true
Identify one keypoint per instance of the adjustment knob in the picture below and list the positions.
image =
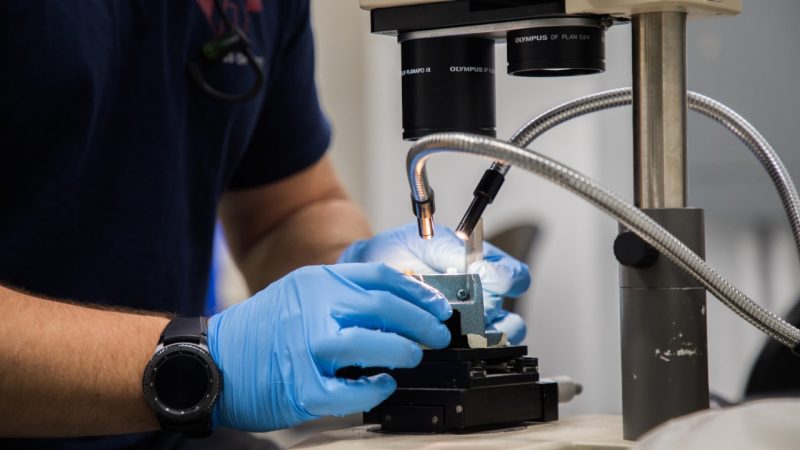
(632, 251)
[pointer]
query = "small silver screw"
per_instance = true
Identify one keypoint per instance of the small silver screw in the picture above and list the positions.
(435, 420)
(462, 294)
(459, 409)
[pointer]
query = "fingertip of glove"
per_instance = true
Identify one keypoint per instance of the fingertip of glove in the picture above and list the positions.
(442, 337)
(409, 357)
(416, 355)
(445, 308)
(513, 325)
(525, 281)
(509, 279)
(441, 306)
(383, 385)
(384, 381)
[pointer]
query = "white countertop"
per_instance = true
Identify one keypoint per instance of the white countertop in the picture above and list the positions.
(577, 432)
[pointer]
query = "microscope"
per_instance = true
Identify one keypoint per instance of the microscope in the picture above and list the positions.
(448, 100)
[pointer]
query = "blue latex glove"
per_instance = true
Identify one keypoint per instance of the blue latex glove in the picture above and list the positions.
(279, 351)
(501, 275)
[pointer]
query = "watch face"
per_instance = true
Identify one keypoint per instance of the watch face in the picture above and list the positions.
(181, 381)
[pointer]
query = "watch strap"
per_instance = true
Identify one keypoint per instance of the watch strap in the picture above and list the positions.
(185, 329)
(195, 429)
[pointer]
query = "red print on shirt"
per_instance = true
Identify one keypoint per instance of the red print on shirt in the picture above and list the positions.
(233, 10)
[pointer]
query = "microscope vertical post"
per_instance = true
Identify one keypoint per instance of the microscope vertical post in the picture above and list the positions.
(659, 109)
(663, 323)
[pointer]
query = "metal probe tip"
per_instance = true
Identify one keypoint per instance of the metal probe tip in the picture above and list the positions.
(484, 194)
(471, 218)
(424, 211)
(425, 224)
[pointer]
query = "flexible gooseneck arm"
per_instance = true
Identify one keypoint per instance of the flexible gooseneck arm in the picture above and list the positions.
(627, 214)
(699, 103)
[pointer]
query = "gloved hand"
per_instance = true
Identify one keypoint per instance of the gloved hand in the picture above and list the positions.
(279, 351)
(501, 275)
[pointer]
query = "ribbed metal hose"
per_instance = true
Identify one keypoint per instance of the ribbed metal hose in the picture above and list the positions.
(627, 214)
(699, 103)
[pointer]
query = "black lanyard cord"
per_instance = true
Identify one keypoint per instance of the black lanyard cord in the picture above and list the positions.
(232, 40)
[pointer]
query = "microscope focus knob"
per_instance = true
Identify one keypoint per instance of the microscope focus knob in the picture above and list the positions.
(632, 251)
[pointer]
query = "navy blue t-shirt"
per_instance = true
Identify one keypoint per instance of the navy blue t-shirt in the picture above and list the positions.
(112, 160)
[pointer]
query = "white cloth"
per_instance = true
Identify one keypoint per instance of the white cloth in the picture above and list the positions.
(762, 424)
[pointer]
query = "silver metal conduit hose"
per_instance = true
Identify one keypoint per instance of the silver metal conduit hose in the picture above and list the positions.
(699, 103)
(626, 213)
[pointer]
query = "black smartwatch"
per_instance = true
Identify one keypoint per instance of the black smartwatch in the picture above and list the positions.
(181, 382)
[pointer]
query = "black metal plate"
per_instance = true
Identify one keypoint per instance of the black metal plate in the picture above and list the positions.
(460, 368)
(458, 375)
(469, 354)
(459, 13)
(421, 419)
(467, 410)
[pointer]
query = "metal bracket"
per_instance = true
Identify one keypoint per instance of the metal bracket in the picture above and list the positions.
(466, 326)
(627, 8)
(375, 4)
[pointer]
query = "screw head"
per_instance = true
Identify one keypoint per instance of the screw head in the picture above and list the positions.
(459, 409)
(462, 294)
(435, 420)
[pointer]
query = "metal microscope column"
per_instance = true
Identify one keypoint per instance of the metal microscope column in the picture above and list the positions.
(663, 324)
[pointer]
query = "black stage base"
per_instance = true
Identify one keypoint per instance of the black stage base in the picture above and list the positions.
(460, 390)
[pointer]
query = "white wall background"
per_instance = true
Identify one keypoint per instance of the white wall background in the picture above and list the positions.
(749, 62)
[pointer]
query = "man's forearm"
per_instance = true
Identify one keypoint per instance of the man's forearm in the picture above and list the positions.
(315, 234)
(67, 370)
